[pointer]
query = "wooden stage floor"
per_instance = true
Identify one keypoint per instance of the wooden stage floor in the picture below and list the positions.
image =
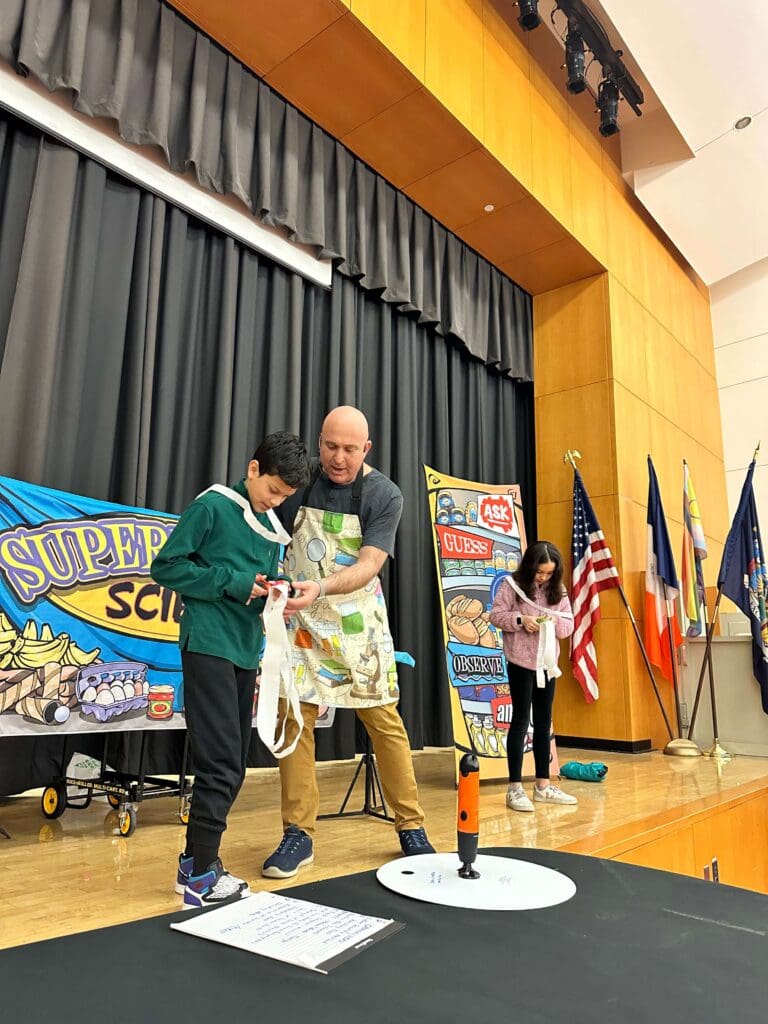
(74, 873)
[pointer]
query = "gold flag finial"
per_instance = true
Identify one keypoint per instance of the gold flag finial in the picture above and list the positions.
(571, 455)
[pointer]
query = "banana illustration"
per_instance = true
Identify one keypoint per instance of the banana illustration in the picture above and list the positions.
(36, 653)
(32, 648)
(75, 656)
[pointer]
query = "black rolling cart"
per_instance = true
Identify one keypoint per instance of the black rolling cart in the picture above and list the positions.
(124, 790)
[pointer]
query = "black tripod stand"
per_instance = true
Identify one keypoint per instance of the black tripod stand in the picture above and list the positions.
(374, 804)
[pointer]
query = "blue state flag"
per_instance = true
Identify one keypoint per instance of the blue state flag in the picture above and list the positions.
(744, 578)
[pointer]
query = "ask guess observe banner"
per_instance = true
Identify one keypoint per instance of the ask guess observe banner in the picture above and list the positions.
(88, 640)
(479, 537)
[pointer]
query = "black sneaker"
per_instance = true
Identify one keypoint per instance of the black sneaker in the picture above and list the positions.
(293, 853)
(414, 841)
(213, 887)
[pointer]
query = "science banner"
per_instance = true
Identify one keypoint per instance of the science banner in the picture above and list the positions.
(88, 641)
(479, 538)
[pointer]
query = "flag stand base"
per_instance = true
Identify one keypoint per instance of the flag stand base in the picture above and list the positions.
(682, 748)
(719, 752)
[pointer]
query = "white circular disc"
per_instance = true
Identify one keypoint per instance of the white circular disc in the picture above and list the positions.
(504, 883)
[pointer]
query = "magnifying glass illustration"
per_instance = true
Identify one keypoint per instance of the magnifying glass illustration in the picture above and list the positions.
(316, 551)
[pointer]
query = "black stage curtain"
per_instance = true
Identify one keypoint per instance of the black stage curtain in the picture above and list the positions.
(143, 354)
(166, 83)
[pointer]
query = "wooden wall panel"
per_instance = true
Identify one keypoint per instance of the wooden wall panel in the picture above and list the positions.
(576, 313)
(588, 199)
(506, 91)
(628, 356)
(345, 60)
(579, 418)
(401, 25)
(675, 852)
(454, 59)
(458, 192)
(411, 139)
(251, 31)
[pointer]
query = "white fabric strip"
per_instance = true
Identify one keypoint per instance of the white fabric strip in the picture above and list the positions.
(278, 537)
(276, 672)
(549, 649)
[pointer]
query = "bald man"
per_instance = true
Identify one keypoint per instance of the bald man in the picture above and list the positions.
(343, 527)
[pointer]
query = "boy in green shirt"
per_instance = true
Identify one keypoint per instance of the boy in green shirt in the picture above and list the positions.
(224, 546)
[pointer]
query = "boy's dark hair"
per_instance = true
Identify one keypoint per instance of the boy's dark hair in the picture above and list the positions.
(285, 455)
(538, 554)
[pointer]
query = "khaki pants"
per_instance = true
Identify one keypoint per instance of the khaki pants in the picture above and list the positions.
(300, 797)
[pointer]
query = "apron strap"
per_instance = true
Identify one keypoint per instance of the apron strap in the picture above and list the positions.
(355, 497)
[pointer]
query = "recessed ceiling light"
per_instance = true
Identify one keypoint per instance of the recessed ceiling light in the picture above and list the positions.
(489, 207)
(743, 122)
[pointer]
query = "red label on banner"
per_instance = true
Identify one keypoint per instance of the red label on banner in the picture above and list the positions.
(502, 712)
(497, 512)
(457, 544)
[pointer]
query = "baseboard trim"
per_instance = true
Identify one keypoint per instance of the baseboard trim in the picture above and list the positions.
(619, 746)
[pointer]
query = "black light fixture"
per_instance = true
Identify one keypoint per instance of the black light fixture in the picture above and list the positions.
(574, 60)
(529, 14)
(608, 104)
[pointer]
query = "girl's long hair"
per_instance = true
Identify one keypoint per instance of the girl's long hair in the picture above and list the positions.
(525, 575)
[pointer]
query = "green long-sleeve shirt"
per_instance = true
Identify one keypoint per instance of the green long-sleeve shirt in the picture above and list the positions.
(211, 560)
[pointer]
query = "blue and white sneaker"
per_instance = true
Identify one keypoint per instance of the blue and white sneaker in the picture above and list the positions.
(184, 873)
(293, 853)
(214, 887)
(414, 841)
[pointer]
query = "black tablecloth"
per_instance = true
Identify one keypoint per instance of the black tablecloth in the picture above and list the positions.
(633, 945)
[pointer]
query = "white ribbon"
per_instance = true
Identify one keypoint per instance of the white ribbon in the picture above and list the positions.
(549, 649)
(278, 537)
(276, 672)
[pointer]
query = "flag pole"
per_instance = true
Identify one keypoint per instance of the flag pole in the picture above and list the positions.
(679, 747)
(570, 456)
(715, 750)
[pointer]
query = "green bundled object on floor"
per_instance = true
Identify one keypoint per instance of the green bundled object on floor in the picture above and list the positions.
(595, 771)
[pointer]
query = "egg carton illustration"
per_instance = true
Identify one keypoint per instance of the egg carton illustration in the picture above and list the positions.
(112, 688)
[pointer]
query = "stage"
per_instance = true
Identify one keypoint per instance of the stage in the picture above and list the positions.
(631, 945)
(74, 874)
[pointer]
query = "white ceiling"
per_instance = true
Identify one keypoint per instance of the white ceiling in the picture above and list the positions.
(702, 64)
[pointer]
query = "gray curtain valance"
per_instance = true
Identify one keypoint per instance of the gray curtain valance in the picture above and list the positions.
(166, 83)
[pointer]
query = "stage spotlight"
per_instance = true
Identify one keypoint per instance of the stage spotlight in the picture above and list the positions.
(608, 104)
(574, 61)
(529, 14)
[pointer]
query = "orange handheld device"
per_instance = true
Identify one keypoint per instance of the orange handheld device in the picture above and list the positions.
(468, 814)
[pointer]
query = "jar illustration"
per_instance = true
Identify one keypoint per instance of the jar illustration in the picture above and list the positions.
(351, 618)
(160, 699)
(470, 513)
(332, 522)
(511, 561)
(499, 559)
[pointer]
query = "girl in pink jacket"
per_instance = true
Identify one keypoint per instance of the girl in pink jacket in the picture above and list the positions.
(533, 612)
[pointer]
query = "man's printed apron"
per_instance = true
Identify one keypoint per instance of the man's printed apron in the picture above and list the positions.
(341, 647)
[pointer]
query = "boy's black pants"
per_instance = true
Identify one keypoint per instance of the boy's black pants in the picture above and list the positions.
(218, 706)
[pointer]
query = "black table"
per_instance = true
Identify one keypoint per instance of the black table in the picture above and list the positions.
(632, 946)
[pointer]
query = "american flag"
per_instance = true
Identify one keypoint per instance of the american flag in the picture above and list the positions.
(593, 570)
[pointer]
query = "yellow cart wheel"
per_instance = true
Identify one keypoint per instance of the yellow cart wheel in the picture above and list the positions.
(54, 800)
(127, 821)
(113, 799)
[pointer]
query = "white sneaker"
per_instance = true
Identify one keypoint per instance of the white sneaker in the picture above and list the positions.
(517, 799)
(553, 795)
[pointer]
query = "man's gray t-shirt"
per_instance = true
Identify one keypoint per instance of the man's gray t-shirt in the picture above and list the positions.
(381, 505)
